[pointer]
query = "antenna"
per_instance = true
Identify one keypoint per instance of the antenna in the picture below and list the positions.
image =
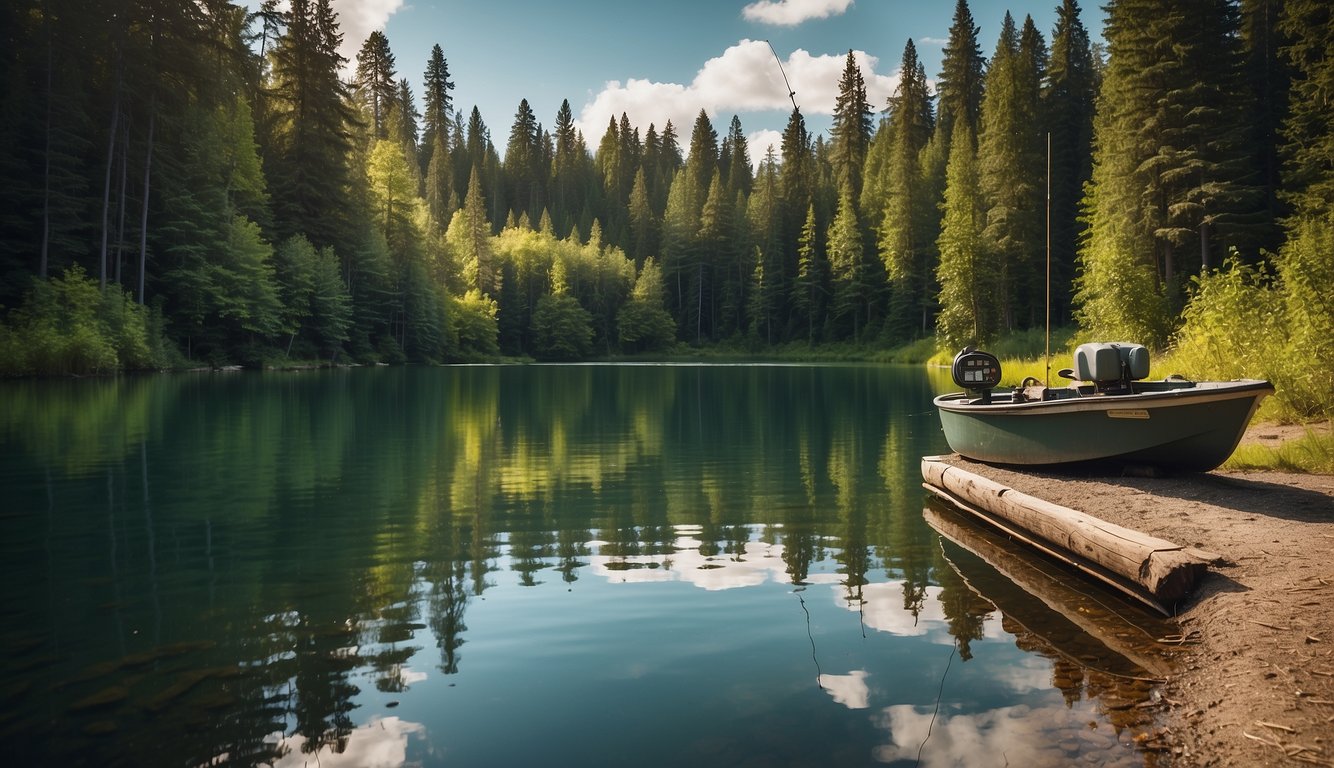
(791, 94)
(1047, 377)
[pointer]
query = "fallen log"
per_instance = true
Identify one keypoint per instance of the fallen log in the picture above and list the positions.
(1125, 558)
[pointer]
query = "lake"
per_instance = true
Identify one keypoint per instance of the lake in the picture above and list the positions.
(657, 565)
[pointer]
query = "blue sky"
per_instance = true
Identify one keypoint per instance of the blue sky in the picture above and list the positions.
(667, 59)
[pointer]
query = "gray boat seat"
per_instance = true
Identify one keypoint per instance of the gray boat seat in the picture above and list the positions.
(1119, 361)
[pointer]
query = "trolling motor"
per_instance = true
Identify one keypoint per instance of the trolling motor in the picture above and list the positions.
(976, 371)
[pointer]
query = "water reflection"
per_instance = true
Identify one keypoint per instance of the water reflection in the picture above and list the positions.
(380, 743)
(495, 565)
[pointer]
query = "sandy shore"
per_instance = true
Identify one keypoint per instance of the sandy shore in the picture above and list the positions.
(1254, 685)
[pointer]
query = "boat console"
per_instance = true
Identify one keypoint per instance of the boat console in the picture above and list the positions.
(976, 371)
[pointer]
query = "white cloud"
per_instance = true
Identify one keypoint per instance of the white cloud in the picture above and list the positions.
(380, 743)
(357, 19)
(744, 78)
(1017, 735)
(933, 40)
(850, 690)
(789, 13)
(759, 143)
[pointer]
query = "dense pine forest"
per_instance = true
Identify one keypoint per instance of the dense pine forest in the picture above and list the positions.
(190, 182)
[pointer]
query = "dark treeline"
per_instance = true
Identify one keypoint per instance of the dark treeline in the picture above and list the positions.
(189, 179)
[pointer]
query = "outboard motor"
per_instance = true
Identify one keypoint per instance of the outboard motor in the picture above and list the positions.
(976, 371)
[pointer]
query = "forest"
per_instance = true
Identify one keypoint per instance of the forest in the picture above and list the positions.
(193, 183)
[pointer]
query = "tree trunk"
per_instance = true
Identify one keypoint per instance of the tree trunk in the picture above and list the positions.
(46, 168)
(143, 218)
(1205, 266)
(106, 184)
(121, 202)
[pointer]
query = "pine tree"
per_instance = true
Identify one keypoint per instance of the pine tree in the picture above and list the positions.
(1011, 173)
(847, 266)
(376, 88)
(1170, 150)
(404, 121)
(734, 159)
(309, 172)
(797, 184)
(1268, 76)
(470, 237)
(437, 107)
(680, 243)
(643, 223)
(524, 172)
(966, 276)
(568, 171)
(905, 239)
(808, 287)
(703, 160)
(439, 182)
(1067, 108)
(961, 71)
(644, 324)
(851, 130)
(1308, 131)
(764, 211)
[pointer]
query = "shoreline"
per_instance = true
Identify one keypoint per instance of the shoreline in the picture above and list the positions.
(1254, 683)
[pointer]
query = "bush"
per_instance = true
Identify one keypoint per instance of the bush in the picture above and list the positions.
(69, 326)
(562, 329)
(474, 325)
(644, 327)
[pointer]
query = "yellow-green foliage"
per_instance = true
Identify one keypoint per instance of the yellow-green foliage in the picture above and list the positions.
(68, 326)
(1246, 322)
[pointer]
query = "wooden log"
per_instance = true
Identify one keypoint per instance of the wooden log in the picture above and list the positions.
(1166, 570)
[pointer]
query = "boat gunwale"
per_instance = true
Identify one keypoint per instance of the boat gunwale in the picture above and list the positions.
(1201, 393)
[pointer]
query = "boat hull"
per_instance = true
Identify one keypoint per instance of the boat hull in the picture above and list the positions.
(1192, 429)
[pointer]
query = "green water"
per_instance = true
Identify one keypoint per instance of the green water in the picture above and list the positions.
(501, 566)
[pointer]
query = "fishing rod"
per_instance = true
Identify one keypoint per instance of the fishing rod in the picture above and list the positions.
(791, 94)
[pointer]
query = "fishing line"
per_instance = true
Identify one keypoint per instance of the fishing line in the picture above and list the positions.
(791, 94)
(939, 693)
(818, 673)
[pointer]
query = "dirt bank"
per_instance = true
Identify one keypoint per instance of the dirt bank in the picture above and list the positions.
(1255, 684)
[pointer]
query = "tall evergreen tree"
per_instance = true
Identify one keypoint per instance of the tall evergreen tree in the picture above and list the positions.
(851, 130)
(703, 159)
(764, 211)
(797, 182)
(376, 87)
(961, 71)
(1010, 155)
(966, 277)
(1173, 105)
(470, 237)
(310, 171)
(1067, 107)
(1268, 75)
(437, 106)
(680, 243)
(1308, 131)
(569, 172)
(905, 232)
(525, 176)
(848, 271)
(643, 222)
(808, 286)
(734, 159)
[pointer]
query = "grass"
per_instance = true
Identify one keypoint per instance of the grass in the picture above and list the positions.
(1312, 453)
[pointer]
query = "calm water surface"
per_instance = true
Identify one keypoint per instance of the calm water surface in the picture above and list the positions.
(501, 566)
